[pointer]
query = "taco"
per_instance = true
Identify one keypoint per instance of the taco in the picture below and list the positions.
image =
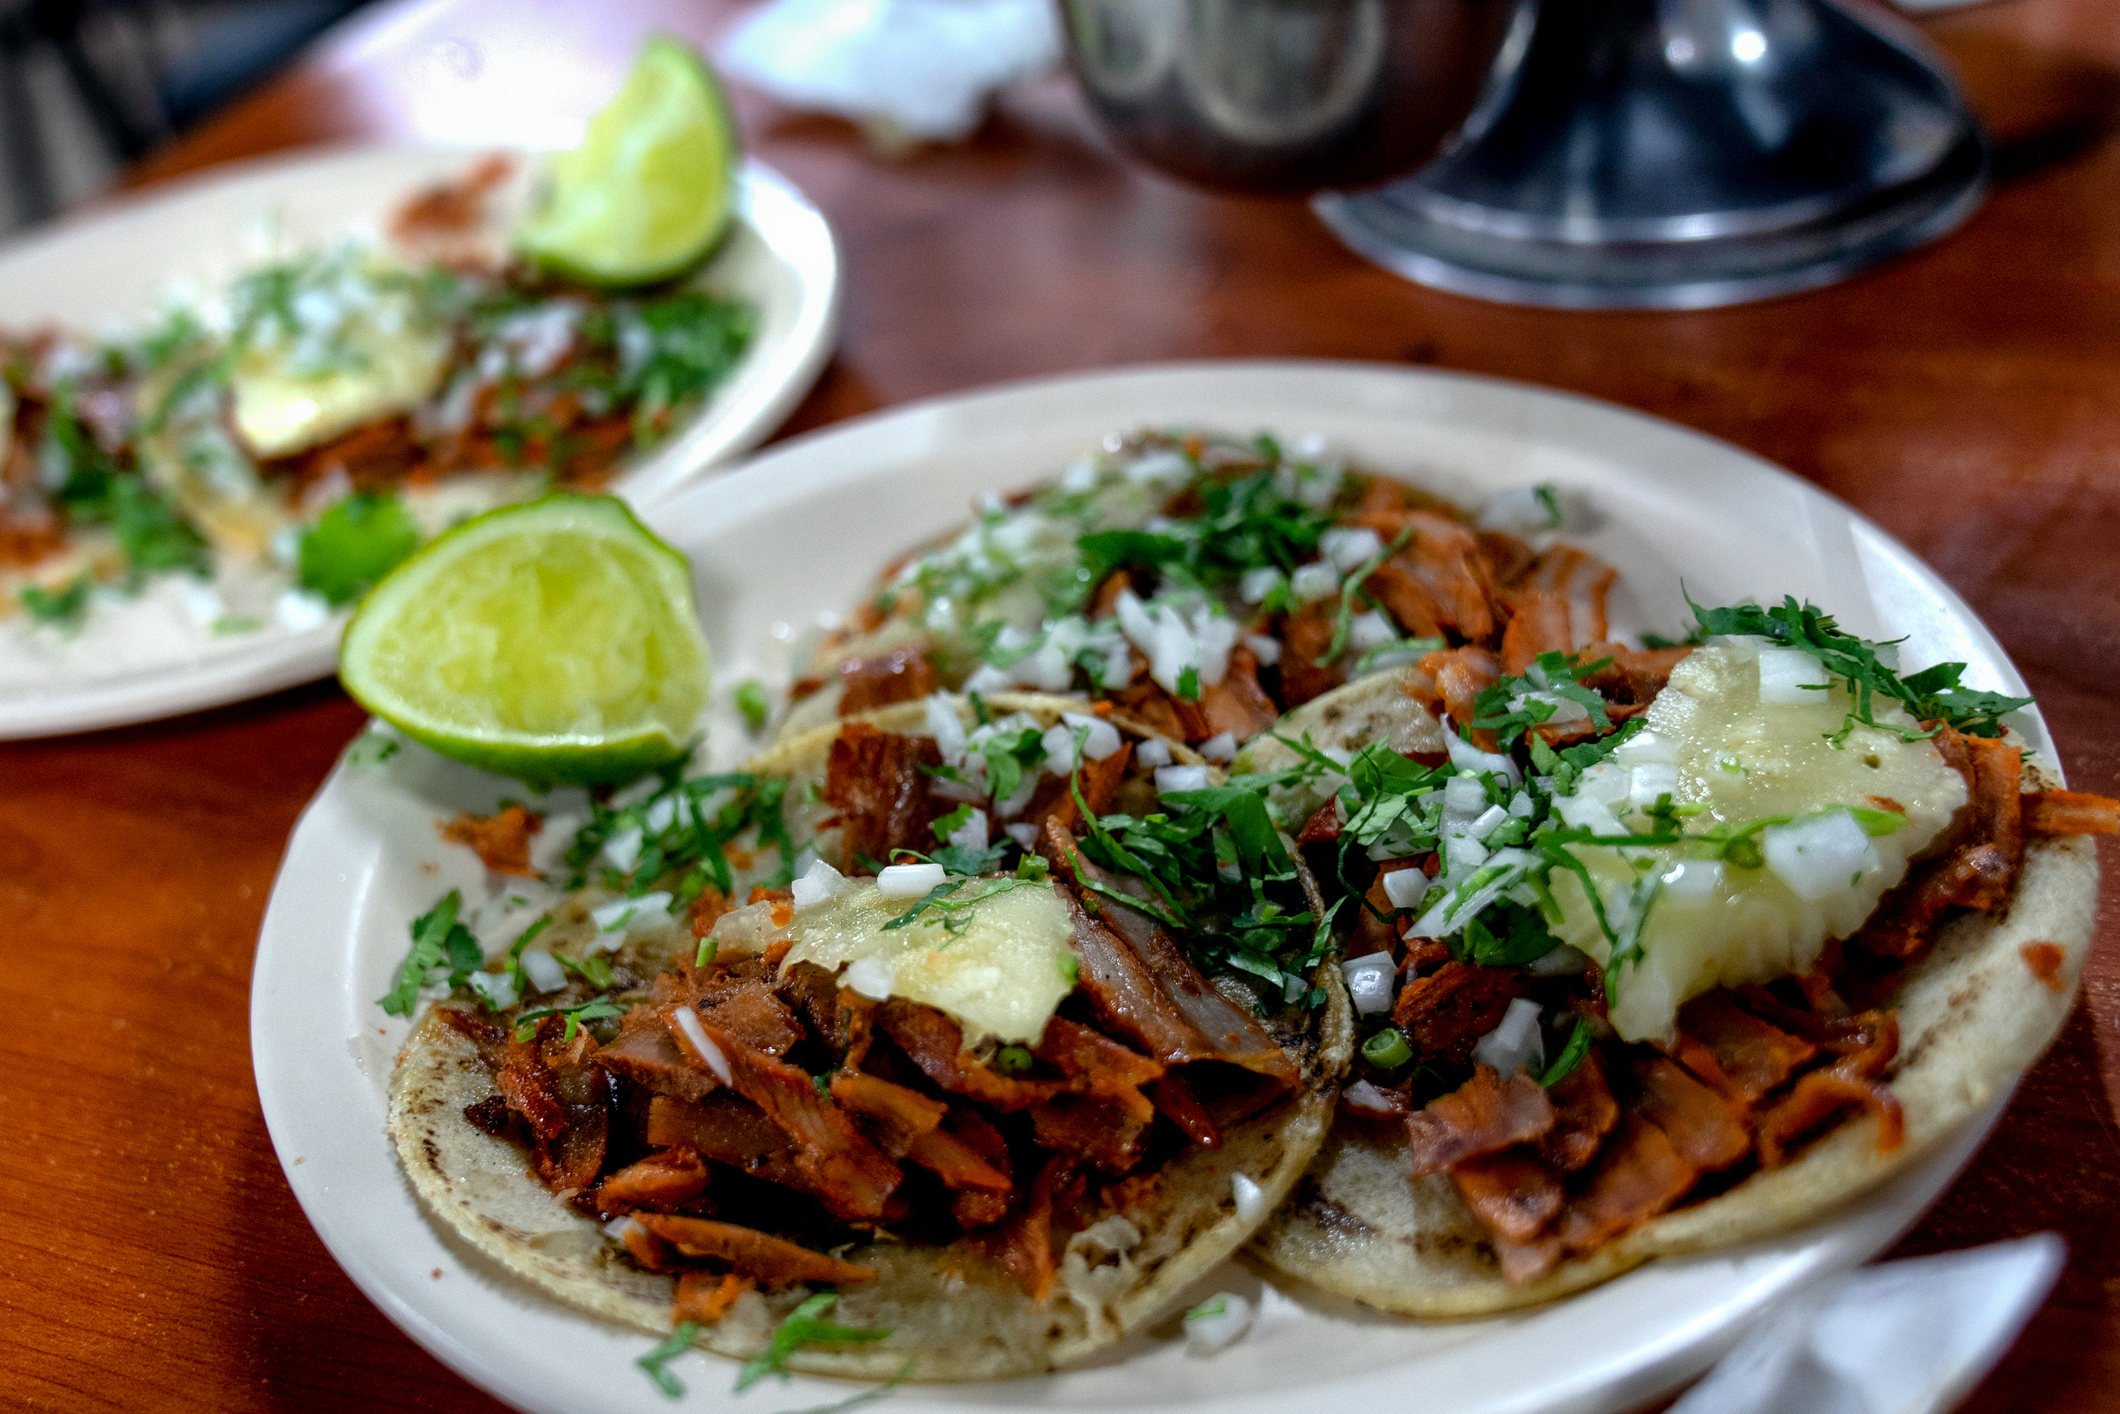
(1661, 951)
(929, 1066)
(1203, 586)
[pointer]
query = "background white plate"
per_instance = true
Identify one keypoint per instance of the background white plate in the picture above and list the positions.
(799, 531)
(116, 268)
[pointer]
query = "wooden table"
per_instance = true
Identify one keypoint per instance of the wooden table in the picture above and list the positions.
(1967, 398)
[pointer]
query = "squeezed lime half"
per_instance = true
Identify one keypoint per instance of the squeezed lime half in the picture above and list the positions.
(652, 188)
(554, 641)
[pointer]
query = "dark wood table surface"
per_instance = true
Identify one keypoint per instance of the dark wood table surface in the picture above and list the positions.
(1967, 398)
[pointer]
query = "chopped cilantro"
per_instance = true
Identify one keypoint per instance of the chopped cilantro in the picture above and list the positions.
(801, 1327)
(1243, 524)
(1930, 695)
(679, 1341)
(515, 949)
(441, 946)
(354, 544)
(151, 532)
(63, 606)
(751, 701)
(1343, 621)
(601, 1009)
(1189, 683)
(1511, 707)
(1571, 1054)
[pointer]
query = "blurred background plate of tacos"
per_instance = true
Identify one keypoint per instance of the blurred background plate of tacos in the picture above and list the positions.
(233, 403)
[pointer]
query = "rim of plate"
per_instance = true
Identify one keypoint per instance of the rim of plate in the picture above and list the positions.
(1605, 1349)
(761, 393)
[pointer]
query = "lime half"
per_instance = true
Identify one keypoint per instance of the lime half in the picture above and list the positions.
(554, 640)
(652, 186)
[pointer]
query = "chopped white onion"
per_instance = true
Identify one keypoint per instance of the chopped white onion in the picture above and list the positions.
(1025, 835)
(498, 988)
(1266, 650)
(202, 602)
(622, 850)
(1818, 857)
(1652, 780)
(662, 814)
(1258, 583)
(1220, 748)
(299, 611)
(1646, 746)
(1607, 783)
(1462, 853)
(820, 882)
(1693, 880)
(543, 970)
(1251, 1199)
(1490, 819)
(1467, 757)
(1153, 752)
(946, 727)
(972, 834)
(1103, 738)
(988, 680)
(1790, 677)
(1451, 911)
(621, 914)
(1158, 466)
(1313, 581)
(1520, 510)
(1217, 1322)
(1177, 778)
(1464, 798)
(1370, 630)
(1563, 961)
(703, 1044)
(1349, 548)
(1562, 710)
(1515, 1044)
(1369, 979)
(1406, 887)
(869, 977)
(1582, 812)
(903, 881)
(1364, 1096)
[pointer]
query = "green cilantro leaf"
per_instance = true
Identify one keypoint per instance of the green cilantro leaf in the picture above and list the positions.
(1930, 695)
(63, 607)
(1571, 1054)
(440, 945)
(751, 701)
(801, 1327)
(601, 1009)
(354, 544)
(679, 1341)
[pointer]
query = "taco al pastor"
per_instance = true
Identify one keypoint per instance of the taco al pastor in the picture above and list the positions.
(1665, 951)
(929, 1066)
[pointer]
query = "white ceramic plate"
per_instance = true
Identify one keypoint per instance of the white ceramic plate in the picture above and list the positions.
(797, 532)
(115, 268)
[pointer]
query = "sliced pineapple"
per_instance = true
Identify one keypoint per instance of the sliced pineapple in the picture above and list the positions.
(1712, 742)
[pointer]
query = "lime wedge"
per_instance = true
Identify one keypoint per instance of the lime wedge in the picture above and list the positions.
(555, 640)
(652, 186)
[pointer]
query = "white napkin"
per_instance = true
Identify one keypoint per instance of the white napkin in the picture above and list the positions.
(908, 71)
(1907, 1337)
